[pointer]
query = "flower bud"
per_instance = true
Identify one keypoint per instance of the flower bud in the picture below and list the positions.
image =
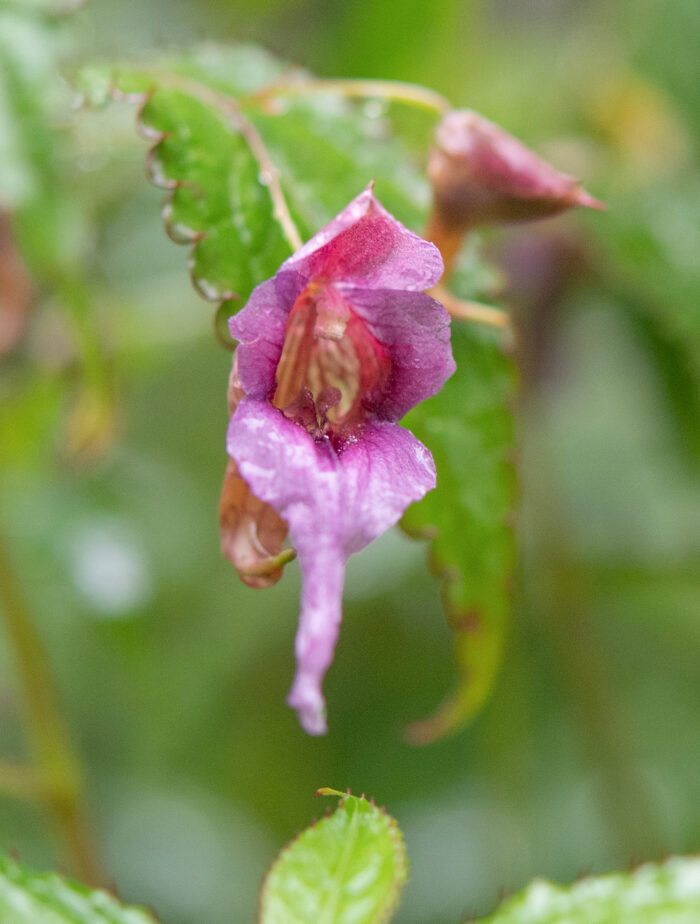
(482, 175)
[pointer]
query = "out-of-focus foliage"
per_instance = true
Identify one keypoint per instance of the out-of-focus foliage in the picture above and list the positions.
(28, 898)
(51, 224)
(665, 894)
(173, 675)
(349, 866)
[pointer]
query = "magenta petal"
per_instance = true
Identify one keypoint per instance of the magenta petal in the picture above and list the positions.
(415, 330)
(382, 473)
(260, 328)
(366, 246)
(335, 504)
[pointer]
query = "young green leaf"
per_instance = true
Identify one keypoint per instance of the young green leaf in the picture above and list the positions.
(668, 893)
(468, 428)
(350, 866)
(30, 898)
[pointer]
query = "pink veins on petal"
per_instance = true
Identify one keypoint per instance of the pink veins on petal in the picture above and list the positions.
(333, 351)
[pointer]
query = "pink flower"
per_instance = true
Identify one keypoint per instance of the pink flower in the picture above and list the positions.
(333, 351)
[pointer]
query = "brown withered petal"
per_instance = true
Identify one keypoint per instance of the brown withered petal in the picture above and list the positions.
(482, 175)
(252, 533)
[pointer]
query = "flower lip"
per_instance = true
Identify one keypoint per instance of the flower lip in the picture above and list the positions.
(335, 504)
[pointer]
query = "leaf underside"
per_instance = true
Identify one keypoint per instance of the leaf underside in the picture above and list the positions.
(349, 867)
(469, 516)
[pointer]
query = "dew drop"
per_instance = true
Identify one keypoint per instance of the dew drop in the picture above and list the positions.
(375, 108)
(265, 177)
(208, 289)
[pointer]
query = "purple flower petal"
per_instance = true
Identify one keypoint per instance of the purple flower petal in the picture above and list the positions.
(413, 327)
(332, 351)
(335, 503)
(415, 331)
(260, 328)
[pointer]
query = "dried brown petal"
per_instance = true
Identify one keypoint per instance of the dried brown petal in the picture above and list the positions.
(252, 533)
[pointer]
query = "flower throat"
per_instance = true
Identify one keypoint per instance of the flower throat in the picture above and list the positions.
(332, 369)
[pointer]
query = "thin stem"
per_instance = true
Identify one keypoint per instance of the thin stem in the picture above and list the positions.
(394, 90)
(57, 776)
(471, 311)
(447, 238)
(270, 565)
(269, 173)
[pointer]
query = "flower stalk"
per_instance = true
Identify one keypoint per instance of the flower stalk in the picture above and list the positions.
(57, 777)
(394, 91)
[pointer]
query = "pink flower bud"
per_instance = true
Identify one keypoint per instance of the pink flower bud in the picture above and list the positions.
(482, 175)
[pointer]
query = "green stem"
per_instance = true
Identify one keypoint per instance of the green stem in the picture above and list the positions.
(394, 91)
(57, 777)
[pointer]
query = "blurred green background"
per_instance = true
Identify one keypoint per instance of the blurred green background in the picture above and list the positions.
(173, 674)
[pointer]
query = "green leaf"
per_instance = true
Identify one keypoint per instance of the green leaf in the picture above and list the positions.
(30, 898)
(468, 428)
(651, 239)
(202, 107)
(218, 200)
(348, 867)
(655, 894)
(328, 149)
